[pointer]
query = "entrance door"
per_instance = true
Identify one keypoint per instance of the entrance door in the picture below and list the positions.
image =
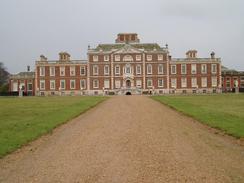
(128, 83)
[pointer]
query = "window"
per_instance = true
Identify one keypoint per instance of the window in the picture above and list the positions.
(128, 69)
(42, 84)
(242, 81)
(149, 83)
(95, 83)
(183, 68)
(82, 84)
(106, 58)
(72, 84)
(214, 68)
(149, 69)
(160, 57)
(183, 82)
(149, 57)
(160, 69)
(160, 82)
(173, 69)
(138, 57)
(95, 58)
(29, 86)
(62, 71)
(117, 57)
(117, 69)
(128, 58)
(173, 82)
(138, 69)
(82, 70)
(62, 84)
(194, 82)
(106, 70)
(72, 71)
(42, 71)
(214, 81)
(228, 82)
(52, 71)
(106, 84)
(52, 84)
(204, 82)
(95, 70)
(203, 68)
(138, 83)
(117, 84)
(193, 68)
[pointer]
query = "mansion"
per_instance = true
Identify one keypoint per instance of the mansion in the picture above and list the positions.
(124, 67)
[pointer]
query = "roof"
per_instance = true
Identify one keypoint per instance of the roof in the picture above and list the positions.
(23, 75)
(145, 46)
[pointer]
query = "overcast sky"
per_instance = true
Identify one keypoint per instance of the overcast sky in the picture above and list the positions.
(30, 28)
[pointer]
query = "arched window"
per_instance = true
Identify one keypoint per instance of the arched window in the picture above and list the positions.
(128, 58)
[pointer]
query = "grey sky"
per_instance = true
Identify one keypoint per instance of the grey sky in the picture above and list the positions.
(30, 28)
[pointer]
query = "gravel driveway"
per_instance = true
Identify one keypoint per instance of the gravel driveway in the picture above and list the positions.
(127, 139)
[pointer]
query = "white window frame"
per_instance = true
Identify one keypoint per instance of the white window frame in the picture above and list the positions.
(115, 70)
(42, 84)
(106, 58)
(83, 82)
(173, 82)
(171, 69)
(72, 70)
(52, 83)
(62, 81)
(160, 57)
(106, 70)
(151, 83)
(62, 70)
(204, 82)
(95, 68)
(138, 69)
(72, 81)
(202, 68)
(95, 81)
(128, 68)
(213, 68)
(117, 58)
(193, 68)
(81, 68)
(194, 82)
(52, 71)
(106, 84)
(160, 69)
(42, 71)
(138, 83)
(149, 69)
(182, 70)
(149, 57)
(160, 83)
(117, 84)
(95, 58)
(214, 81)
(138, 57)
(183, 82)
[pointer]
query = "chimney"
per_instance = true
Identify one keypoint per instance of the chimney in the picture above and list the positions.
(28, 68)
(191, 54)
(43, 58)
(212, 55)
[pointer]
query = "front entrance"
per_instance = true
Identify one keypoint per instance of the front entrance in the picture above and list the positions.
(128, 83)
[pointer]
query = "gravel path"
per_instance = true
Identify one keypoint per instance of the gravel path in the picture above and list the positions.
(127, 139)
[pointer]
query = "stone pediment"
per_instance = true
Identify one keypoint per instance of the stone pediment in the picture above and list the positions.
(128, 49)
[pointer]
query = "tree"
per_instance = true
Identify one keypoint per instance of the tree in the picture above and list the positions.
(3, 75)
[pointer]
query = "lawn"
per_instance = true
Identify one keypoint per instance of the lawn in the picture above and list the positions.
(223, 111)
(25, 119)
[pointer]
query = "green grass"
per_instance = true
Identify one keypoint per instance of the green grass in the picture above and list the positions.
(224, 111)
(24, 119)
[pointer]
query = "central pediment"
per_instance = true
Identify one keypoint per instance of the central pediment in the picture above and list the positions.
(127, 48)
